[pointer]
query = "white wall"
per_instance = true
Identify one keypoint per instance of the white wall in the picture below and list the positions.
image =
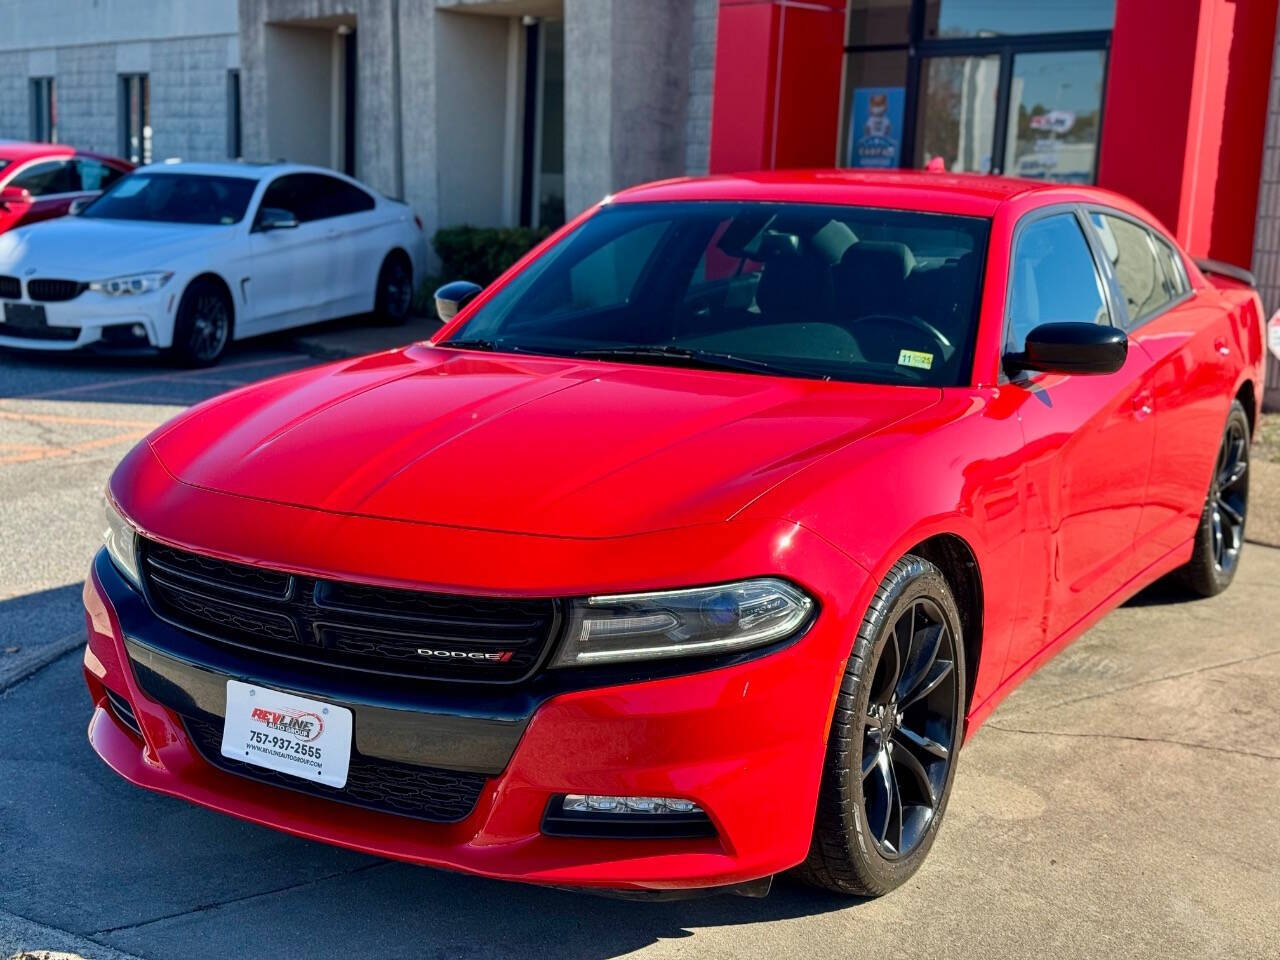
(299, 63)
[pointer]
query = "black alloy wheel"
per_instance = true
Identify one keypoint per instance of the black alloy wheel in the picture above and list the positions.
(898, 724)
(203, 325)
(395, 290)
(1220, 536)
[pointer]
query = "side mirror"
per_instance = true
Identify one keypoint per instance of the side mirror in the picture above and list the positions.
(274, 218)
(1071, 348)
(14, 197)
(452, 297)
(78, 204)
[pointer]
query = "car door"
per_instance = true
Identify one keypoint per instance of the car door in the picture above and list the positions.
(352, 228)
(1089, 438)
(53, 184)
(1189, 382)
(292, 269)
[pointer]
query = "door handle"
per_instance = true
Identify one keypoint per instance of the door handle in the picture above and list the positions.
(1220, 344)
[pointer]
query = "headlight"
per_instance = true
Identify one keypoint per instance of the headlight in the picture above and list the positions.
(134, 283)
(681, 623)
(122, 544)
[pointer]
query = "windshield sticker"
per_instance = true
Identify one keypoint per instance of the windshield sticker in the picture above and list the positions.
(914, 358)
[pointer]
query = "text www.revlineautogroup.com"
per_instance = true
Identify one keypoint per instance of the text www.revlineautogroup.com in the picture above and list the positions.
(285, 755)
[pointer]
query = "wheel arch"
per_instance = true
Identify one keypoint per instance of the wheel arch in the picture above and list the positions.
(1249, 400)
(217, 280)
(953, 555)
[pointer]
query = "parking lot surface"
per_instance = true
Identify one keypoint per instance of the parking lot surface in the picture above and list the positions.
(1121, 803)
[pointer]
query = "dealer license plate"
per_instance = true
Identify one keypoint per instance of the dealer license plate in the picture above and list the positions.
(304, 738)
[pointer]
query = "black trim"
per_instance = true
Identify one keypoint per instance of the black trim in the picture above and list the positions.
(122, 711)
(1225, 270)
(624, 826)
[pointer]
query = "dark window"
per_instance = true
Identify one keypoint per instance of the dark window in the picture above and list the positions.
(96, 175)
(135, 117)
(314, 196)
(843, 293)
(233, 114)
(1053, 278)
(44, 111)
(337, 198)
(49, 178)
(174, 198)
(1132, 253)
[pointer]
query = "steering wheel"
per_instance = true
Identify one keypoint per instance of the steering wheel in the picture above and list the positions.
(917, 324)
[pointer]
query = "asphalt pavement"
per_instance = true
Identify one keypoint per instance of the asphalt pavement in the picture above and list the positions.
(1121, 803)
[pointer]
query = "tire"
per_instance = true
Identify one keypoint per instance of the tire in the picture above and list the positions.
(1220, 535)
(880, 727)
(204, 324)
(394, 298)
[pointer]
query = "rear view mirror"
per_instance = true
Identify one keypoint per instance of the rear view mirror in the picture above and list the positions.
(452, 297)
(14, 197)
(1071, 348)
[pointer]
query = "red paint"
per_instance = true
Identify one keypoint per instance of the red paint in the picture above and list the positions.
(396, 469)
(21, 157)
(1184, 118)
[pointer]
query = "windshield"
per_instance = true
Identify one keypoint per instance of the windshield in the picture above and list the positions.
(174, 198)
(829, 292)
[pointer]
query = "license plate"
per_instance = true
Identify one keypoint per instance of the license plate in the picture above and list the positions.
(307, 739)
(27, 315)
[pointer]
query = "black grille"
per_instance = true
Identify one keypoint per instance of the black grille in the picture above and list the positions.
(123, 711)
(346, 625)
(53, 291)
(427, 793)
(38, 333)
(10, 288)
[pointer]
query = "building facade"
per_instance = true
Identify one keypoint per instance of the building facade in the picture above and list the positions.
(523, 112)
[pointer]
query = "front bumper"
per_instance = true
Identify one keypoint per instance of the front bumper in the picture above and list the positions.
(85, 320)
(744, 741)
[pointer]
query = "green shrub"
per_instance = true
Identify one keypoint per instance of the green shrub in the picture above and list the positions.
(480, 254)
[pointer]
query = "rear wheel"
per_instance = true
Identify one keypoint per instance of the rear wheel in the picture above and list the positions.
(1220, 536)
(897, 727)
(203, 325)
(395, 290)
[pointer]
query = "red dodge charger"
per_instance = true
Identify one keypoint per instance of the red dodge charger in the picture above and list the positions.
(40, 181)
(692, 549)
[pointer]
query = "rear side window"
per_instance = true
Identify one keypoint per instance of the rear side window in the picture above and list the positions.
(313, 196)
(1052, 279)
(1132, 251)
(338, 198)
(1175, 273)
(96, 175)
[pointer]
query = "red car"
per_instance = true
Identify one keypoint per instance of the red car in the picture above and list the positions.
(40, 181)
(693, 549)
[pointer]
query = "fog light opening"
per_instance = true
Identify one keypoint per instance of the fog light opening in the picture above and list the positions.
(641, 817)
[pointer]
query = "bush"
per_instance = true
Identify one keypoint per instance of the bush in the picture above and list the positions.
(480, 254)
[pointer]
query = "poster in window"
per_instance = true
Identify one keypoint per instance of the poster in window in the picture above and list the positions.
(876, 132)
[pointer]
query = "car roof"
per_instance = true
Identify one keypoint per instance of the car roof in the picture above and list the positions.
(17, 151)
(959, 193)
(237, 168)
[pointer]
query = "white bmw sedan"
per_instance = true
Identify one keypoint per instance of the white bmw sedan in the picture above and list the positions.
(185, 257)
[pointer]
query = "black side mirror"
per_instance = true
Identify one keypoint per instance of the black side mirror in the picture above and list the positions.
(1071, 348)
(274, 218)
(452, 297)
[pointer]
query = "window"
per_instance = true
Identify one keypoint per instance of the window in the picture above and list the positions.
(1052, 278)
(49, 178)
(1132, 252)
(174, 198)
(44, 111)
(985, 18)
(234, 146)
(797, 290)
(1171, 262)
(313, 196)
(135, 117)
(96, 175)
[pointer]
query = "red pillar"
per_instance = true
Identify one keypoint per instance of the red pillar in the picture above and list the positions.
(776, 101)
(1185, 116)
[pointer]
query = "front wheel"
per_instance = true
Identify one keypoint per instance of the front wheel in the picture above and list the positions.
(203, 324)
(897, 727)
(1220, 536)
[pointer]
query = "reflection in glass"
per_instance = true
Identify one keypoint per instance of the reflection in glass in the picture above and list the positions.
(1054, 102)
(957, 120)
(985, 18)
(875, 98)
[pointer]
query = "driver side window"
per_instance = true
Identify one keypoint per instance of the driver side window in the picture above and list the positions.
(1052, 278)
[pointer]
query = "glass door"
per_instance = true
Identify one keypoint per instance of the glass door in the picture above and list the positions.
(956, 116)
(1055, 103)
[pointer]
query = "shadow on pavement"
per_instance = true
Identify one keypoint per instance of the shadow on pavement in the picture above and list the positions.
(36, 627)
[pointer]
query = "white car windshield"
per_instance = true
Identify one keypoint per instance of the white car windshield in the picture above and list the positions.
(174, 198)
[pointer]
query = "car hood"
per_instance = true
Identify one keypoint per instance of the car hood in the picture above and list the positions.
(85, 249)
(526, 445)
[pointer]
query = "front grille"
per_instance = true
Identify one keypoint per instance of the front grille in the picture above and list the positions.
(10, 288)
(54, 291)
(427, 793)
(348, 625)
(38, 333)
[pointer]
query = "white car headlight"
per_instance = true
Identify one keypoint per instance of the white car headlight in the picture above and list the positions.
(681, 623)
(134, 283)
(122, 544)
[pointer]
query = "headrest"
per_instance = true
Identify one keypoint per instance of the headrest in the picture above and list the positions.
(884, 257)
